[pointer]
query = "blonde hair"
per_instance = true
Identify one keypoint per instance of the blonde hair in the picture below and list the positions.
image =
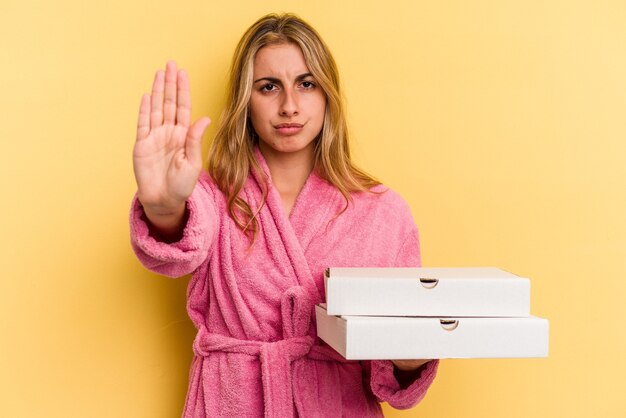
(232, 152)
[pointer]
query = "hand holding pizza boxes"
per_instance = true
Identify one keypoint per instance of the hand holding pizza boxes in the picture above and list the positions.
(428, 313)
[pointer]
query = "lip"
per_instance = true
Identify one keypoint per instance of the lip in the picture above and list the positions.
(288, 128)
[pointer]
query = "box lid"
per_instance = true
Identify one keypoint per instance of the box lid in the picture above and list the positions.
(426, 291)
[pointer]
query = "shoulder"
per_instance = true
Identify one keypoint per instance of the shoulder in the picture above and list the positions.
(383, 198)
(383, 205)
(207, 195)
(205, 179)
(206, 182)
(392, 231)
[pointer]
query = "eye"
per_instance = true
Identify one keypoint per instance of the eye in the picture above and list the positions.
(308, 85)
(265, 88)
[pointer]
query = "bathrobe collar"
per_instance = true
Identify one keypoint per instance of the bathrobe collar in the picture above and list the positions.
(316, 205)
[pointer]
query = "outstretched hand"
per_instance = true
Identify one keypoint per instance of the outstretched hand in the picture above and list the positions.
(167, 157)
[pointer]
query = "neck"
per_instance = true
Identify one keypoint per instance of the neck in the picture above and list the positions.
(289, 171)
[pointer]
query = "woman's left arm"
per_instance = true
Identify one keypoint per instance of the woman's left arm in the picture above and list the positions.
(403, 383)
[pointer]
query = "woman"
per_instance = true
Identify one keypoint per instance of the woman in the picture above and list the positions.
(281, 201)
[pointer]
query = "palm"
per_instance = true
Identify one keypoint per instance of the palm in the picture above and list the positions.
(162, 169)
(167, 154)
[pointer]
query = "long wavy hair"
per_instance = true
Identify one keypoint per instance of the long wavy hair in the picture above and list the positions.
(231, 155)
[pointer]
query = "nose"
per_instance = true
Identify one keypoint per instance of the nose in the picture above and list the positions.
(289, 104)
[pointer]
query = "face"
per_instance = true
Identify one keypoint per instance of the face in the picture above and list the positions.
(286, 105)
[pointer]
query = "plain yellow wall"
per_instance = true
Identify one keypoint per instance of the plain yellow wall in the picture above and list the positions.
(501, 122)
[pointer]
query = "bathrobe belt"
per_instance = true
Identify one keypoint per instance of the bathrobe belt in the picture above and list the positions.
(276, 356)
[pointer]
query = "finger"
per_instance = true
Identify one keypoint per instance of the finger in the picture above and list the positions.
(143, 123)
(156, 111)
(183, 109)
(193, 143)
(169, 104)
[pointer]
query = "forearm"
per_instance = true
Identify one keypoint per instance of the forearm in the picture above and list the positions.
(181, 256)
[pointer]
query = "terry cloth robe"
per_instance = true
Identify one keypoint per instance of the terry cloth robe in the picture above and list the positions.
(256, 352)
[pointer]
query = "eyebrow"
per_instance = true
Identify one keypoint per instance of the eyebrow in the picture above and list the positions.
(277, 81)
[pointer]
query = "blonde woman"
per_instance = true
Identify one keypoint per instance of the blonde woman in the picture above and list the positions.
(280, 202)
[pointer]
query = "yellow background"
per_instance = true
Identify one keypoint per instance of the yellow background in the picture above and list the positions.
(501, 122)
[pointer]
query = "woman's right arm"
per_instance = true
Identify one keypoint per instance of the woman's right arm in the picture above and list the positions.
(172, 216)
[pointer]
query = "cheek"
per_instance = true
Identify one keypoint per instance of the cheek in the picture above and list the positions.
(253, 109)
(321, 102)
(320, 107)
(256, 115)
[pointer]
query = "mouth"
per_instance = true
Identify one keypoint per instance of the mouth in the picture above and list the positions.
(288, 128)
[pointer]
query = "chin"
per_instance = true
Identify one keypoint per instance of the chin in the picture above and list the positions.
(290, 145)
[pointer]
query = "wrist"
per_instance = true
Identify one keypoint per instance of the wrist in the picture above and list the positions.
(408, 365)
(167, 224)
(164, 212)
(405, 375)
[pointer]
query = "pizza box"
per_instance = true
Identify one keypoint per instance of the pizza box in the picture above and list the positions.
(451, 291)
(404, 338)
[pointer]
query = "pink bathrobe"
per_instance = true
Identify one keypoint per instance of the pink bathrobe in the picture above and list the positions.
(256, 351)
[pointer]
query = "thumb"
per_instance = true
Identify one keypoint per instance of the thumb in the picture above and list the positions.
(193, 142)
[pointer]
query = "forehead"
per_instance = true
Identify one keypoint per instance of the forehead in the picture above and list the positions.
(281, 59)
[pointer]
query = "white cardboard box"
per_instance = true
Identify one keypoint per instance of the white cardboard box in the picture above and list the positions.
(470, 291)
(397, 338)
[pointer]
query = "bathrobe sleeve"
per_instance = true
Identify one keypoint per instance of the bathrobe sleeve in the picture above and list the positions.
(386, 387)
(380, 373)
(183, 257)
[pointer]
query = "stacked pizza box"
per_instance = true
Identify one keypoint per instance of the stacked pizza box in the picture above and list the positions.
(429, 313)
